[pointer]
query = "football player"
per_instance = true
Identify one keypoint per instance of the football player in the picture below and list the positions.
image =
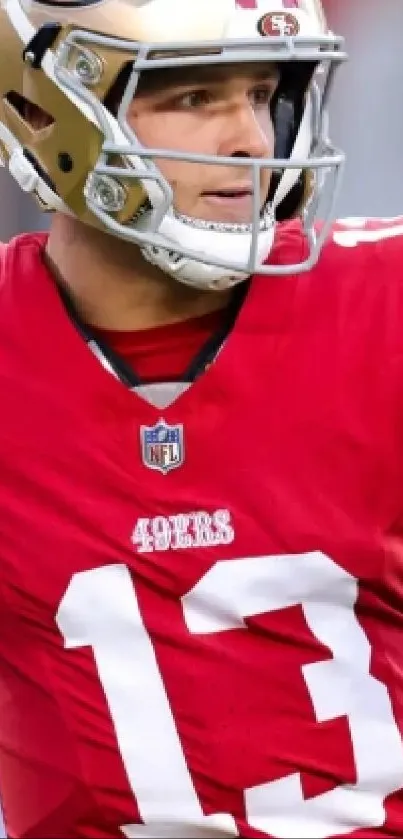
(201, 436)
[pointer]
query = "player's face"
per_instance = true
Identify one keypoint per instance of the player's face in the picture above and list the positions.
(216, 111)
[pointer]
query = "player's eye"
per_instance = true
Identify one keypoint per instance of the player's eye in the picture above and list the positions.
(262, 94)
(194, 99)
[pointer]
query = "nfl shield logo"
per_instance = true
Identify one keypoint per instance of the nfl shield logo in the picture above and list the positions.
(162, 446)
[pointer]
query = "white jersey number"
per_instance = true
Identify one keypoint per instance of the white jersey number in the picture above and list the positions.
(356, 232)
(101, 609)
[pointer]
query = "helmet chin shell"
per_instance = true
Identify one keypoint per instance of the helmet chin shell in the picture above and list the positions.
(218, 240)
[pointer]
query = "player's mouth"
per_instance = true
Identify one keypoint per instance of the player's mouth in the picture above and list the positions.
(232, 204)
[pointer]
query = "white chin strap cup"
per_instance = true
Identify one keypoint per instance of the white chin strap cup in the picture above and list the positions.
(212, 244)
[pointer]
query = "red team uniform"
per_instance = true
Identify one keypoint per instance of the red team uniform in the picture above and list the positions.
(201, 556)
(215, 647)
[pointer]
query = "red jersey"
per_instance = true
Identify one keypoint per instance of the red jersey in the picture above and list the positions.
(162, 353)
(202, 606)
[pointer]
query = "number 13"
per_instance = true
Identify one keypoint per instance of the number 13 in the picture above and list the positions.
(100, 609)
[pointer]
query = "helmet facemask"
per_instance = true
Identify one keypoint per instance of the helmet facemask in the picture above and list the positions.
(125, 192)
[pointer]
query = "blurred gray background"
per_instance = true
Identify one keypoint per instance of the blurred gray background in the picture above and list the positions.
(366, 117)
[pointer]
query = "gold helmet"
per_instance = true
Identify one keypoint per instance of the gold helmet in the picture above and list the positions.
(68, 58)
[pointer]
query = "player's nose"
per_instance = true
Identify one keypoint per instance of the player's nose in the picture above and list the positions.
(247, 134)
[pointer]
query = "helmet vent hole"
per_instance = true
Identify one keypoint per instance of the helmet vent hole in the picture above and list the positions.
(31, 114)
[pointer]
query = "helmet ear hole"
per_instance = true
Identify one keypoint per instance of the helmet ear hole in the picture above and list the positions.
(32, 115)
